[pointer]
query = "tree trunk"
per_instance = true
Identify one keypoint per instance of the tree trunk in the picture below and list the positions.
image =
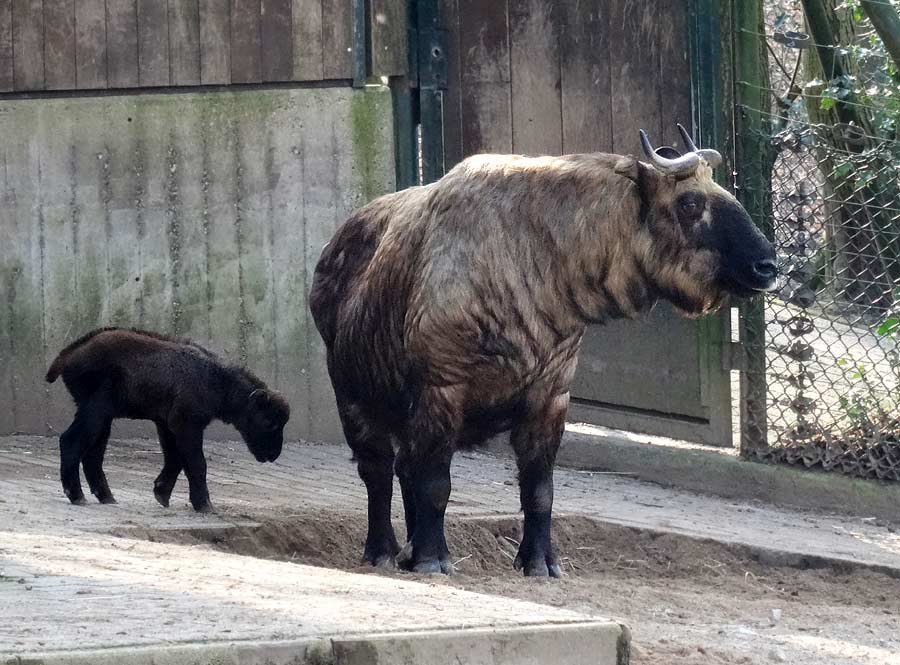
(886, 22)
(860, 232)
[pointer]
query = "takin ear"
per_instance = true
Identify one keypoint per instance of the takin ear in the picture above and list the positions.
(645, 177)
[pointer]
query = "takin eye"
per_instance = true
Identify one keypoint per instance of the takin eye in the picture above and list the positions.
(690, 207)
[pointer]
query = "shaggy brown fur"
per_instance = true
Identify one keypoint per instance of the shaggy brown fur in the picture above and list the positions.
(455, 311)
(118, 373)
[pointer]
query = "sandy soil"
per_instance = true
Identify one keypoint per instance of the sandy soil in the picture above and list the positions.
(687, 601)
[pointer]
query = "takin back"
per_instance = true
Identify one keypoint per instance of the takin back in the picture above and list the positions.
(118, 373)
(455, 311)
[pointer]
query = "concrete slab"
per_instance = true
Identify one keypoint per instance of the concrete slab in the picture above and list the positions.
(92, 593)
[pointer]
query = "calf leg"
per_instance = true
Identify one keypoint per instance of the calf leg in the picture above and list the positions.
(189, 445)
(374, 455)
(91, 418)
(92, 462)
(536, 442)
(70, 447)
(172, 465)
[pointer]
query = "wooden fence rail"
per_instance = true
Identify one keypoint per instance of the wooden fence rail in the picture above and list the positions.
(105, 44)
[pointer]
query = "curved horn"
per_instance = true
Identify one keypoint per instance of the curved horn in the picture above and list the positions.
(688, 141)
(712, 157)
(684, 165)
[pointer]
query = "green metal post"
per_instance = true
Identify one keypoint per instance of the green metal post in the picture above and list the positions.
(755, 158)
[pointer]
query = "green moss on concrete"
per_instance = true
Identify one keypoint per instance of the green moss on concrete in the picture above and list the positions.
(366, 116)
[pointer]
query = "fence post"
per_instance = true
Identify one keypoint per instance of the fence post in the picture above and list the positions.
(754, 160)
(431, 43)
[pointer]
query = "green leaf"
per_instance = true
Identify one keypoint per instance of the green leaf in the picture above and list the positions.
(889, 327)
(843, 169)
(826, 103)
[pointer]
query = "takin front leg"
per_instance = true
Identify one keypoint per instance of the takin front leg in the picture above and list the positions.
(536, 442)
(374, 454)
(172, 465)
(92, 463)
(189, 445)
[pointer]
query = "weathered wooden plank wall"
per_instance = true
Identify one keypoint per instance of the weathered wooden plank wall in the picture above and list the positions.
(548, 77)
(108, 44)
(201, 214)
(562, 76)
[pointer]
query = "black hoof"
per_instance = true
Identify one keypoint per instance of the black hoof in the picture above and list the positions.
(425, 565)
(538, 565)
(107, 499)
(76, 499)
(385, 562)
(162, 498)
(381, 555)
(204, 508)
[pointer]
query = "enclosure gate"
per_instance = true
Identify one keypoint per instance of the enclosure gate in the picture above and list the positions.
(555, 77)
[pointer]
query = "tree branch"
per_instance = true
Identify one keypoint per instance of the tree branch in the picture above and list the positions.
(886, 22)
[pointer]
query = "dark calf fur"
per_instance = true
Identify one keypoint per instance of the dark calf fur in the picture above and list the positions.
(117, 373)
(455, 311)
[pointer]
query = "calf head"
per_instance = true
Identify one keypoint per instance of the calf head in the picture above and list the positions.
(262, 424)
(699, 244)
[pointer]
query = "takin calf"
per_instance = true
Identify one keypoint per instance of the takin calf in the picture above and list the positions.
(118, 373)
(455, 311)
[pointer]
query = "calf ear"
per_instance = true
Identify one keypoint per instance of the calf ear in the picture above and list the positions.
(259, 398)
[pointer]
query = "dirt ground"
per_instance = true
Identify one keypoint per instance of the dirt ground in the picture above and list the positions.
(687, 601)
(625, 548)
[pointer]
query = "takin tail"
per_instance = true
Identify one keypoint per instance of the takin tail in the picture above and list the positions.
(56, 369)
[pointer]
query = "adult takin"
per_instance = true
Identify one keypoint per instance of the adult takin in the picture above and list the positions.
(455, 311)
(180, 386)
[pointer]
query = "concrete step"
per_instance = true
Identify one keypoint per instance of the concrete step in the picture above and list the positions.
(82, 598)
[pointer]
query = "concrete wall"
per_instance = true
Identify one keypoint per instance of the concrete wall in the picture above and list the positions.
(198, 214)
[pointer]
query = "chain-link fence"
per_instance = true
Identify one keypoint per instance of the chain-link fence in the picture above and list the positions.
(829, 149)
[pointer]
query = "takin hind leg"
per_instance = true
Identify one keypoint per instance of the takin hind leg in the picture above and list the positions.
(91, 419)
(374, 454)
(536, 442)
(172, 466)
(92, 462)
(424, 471)
(403, 467)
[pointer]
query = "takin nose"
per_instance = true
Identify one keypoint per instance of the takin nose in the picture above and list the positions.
(765, 270)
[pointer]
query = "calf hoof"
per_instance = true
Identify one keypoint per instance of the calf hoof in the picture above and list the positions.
(205, 507)
(77, 499)
(538, 565)
(104, 496)
(162, 498)
(425, 565)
